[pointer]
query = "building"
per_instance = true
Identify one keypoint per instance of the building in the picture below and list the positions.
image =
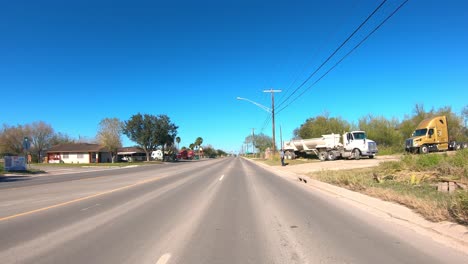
(78, 153)
(131, 154)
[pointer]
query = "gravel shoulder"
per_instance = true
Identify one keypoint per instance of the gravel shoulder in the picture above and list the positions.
(341, 164)
(448, 233)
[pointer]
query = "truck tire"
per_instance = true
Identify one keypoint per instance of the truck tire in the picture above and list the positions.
(356, 154)
(331, 155)
(371, 156)
(423, 149)
(322, 155)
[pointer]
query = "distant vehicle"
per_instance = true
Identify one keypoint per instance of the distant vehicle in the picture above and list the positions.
(186, 154)
(157, 155)
(328, 147)
(432, 135)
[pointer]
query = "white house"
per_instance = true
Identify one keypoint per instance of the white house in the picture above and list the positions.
(78, 153)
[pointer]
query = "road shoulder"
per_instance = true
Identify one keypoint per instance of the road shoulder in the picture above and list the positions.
(450, 234)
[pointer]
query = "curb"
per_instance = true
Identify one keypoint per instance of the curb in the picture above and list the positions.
(457, 235)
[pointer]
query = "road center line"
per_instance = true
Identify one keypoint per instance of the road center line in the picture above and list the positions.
(222, 176)
(164, 259)
(78, 199)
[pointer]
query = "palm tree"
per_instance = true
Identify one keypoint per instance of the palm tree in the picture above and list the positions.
(198, 143)
(177, 139)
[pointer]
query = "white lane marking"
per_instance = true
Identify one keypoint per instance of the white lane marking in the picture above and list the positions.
(222, 176)
(84, 209)
(164, 259)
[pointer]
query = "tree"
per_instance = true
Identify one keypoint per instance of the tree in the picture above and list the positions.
(381, 130)
(321, 125)
(198, 142)
(177, 139)
(262, 141)
(150, 131)
(41, 135)
(11, 139)
(221, 152)
(209, 151)
(60, 138)
(140, 129)
(454, 122)
(165, 133)
(110, 135)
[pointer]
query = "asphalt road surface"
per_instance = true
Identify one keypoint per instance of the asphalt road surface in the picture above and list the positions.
(214, 211)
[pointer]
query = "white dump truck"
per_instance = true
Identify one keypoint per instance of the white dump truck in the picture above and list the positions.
(352, 145)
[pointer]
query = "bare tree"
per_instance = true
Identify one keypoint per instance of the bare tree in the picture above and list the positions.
(41, 135)
(11, 139)
(110, 135)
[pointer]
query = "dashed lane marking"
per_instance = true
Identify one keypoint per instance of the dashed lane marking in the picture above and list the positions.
(77, 200)
(164, 259)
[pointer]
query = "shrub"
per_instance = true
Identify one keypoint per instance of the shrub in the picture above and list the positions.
(460, 159)
(390, 166)
(428, 161)
(459, 207)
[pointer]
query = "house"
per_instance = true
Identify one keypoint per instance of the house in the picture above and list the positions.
(130, 154)
(78, 153)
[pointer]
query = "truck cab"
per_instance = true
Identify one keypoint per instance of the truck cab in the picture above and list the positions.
(430, 135)
(356, 144)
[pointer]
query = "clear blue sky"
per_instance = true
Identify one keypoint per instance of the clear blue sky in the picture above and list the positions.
(73, 63)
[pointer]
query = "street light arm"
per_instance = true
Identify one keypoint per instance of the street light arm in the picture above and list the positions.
(255, 103)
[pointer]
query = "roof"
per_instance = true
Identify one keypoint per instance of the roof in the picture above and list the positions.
(129, 150)
(77, 147)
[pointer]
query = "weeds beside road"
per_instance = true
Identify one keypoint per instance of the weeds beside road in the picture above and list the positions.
(412, 181)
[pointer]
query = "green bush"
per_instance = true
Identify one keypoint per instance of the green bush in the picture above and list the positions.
(389, 150)
(459, 207)
(428, 161)
(460, 159)
(408, 161)
(390, 166)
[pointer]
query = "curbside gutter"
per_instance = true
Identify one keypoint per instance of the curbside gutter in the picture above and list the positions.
(448, 233)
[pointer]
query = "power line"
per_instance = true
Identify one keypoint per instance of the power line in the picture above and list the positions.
(347, 54)
(333, 54)
(315, 55)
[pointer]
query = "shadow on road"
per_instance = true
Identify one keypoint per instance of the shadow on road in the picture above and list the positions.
(14, 178)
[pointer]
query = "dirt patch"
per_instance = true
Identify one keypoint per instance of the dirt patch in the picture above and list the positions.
(342, 164)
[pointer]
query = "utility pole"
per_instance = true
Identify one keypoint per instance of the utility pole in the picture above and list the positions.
(273, 114)
(281, 137)
(253, 140)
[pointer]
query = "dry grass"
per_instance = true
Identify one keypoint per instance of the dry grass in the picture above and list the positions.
(411, 182)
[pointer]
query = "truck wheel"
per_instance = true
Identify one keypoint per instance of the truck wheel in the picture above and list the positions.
(322, 155)
(356, 154)
(331, 155)
(371, 156)
(423, 149)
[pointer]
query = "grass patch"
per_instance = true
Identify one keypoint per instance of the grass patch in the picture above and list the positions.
(275, 161)
(412, 182)
(390, 150)
(117, 164)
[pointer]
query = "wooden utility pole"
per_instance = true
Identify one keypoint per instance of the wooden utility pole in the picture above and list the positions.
(253, 140)
(273, 114)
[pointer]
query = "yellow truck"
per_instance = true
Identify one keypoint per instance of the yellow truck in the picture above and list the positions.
(431, 135)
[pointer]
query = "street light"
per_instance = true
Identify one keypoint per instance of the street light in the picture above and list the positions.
(255, 103)
(269, 110)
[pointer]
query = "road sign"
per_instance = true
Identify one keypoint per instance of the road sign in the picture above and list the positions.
(26, 143)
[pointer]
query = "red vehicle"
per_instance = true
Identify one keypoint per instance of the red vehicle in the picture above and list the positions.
(186, 154)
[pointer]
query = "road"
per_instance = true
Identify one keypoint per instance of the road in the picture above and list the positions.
(215, 211)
